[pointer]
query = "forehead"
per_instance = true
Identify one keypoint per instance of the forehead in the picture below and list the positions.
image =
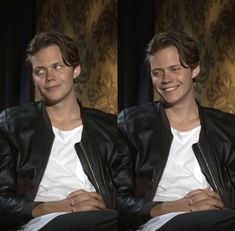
(165, 57)
(47, 56)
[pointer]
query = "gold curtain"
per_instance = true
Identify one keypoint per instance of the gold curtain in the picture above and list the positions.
(212, 24)
(93, 24)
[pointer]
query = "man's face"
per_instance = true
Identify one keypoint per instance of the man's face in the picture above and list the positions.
(171, 80)
(51, 76)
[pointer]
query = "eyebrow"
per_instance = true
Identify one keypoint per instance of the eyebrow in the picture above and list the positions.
(159, 68)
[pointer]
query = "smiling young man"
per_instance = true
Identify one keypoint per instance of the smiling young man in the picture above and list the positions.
(180, 156)
(56, 156)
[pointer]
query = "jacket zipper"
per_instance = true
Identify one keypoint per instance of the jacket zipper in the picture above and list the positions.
(203, 156)
(92, 172)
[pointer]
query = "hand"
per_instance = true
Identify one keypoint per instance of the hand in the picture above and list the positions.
(81, 200)
(204, 199)
(196, 200)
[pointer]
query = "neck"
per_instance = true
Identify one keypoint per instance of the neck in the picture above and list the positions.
(65, 115)
(183, 117)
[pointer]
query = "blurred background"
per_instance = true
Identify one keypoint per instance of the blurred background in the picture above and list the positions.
(112, 36)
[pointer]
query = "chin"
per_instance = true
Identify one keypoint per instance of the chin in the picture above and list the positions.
(50, 102)
(168, 103)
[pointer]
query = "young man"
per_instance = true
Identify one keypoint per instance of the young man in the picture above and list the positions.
(56, 156)
(182, 154)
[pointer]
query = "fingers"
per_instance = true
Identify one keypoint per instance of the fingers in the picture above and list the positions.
(76, 193)
(81, 200)
(204, 199)
(202, 194)
(206, 205)
(82, 192)
(88, 205)
(198, 191)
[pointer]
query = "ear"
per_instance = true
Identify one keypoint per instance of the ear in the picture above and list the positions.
(195, 71)
(76, 71)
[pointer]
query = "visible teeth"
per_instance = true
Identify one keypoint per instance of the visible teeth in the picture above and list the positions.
(170, 89)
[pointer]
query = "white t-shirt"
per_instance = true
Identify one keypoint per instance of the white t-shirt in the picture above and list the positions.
(181, 175)
(63, 174)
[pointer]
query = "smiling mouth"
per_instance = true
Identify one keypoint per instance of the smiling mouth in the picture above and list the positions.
(169, 89)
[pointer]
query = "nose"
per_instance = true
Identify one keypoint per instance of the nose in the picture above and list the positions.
(166, 78)
(50, 75)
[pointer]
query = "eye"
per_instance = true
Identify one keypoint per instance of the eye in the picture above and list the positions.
(58, 66)
(39, 72)
(175, 69)
(157, 73)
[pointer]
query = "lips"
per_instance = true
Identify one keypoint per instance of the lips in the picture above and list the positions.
(51, 88)
(169, 89)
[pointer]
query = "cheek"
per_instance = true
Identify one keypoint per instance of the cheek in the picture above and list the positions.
(66, 76)
(37, 81)
(68, 79)
(156, 82)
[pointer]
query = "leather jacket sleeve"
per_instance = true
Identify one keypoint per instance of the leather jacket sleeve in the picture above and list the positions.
(14, 211)
(133, 211)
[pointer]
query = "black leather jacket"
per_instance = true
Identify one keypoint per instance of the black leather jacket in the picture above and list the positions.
(26, 139)
(147, 130)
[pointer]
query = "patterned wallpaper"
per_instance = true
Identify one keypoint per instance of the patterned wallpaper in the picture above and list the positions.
(212, 24)
(93, 24)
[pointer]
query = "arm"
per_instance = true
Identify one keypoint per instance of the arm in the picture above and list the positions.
(14, 210)
(76, 201)
(196, 200)
(133, 211)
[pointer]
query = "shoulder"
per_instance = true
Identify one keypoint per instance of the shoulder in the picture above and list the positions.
(100, 123)
(22, 112)
(98, 118)
(221, 119)
(140, 118)
(216, 114)
(139, 112)
(98, 114)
